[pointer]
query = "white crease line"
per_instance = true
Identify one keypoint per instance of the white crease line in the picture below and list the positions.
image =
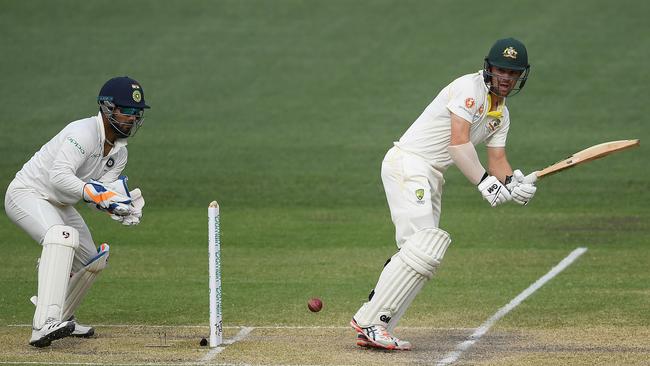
(108, 364)
(480, 331)
(244, 326)
(243, 333)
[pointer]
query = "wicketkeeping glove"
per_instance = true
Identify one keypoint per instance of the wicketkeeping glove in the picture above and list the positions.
(494, 191)
(521, 192)
(137, 203)
(106, 199)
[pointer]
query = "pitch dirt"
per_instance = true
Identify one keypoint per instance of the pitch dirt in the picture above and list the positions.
(136, 345)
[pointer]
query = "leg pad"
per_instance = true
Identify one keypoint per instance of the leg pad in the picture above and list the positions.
(59, 245)
(403, 277)
(81, 281)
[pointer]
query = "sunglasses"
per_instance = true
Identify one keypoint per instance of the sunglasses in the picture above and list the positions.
(129, 111)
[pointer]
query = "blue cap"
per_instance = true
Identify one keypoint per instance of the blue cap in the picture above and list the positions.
(123, 92)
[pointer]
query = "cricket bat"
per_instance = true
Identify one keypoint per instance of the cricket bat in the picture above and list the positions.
(583, 156)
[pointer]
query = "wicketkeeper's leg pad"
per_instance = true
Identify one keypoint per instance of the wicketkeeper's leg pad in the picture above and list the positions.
(59, 245)
(81, 281)
(403, 277)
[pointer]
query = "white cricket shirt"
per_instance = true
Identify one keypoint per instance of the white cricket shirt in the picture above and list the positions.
(59, 170)
(467, 97)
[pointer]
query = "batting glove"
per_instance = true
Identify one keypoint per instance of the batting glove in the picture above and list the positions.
(521, 192)
(494, 191)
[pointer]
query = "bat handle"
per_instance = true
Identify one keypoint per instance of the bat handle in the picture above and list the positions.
(530, 178)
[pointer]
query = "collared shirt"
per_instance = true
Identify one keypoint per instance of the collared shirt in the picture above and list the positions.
(59, 170)
(467, 97)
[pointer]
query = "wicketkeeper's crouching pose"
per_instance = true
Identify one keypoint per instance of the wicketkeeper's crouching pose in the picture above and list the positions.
(83, 161)
(469, 111)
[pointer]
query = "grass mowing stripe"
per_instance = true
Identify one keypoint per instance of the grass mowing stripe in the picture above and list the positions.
(480, 331)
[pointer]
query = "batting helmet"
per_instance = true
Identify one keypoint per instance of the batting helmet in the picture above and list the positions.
(123, 92)
(510, 54)
(125, 95)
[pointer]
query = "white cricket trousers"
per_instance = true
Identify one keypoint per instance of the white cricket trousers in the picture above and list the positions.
(36, 215)
(413, 190)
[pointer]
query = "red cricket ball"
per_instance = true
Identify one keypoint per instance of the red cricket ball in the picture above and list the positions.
(315, 304)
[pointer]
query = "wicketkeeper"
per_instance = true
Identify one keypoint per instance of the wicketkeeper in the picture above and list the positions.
(469, 111)
(82, 162)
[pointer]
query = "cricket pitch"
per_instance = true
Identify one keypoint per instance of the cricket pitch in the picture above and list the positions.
(179, 345)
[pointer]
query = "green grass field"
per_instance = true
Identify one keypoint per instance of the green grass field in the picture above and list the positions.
(282, 111)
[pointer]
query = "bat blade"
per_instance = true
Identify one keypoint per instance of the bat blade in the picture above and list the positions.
(583, 156)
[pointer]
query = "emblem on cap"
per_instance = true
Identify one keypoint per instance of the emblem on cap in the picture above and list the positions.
(510, 52)
(137, 96)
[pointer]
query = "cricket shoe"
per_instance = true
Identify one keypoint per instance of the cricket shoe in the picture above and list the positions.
(52, 330)
(378, 336)
(362, 340)
(81, 330)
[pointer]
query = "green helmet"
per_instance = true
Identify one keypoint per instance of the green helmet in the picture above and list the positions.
(510, 54)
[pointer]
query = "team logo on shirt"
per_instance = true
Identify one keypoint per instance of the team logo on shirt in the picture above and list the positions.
(469, 102)
(110, 162)
(493, 125)
(419, 194)
(510, 52)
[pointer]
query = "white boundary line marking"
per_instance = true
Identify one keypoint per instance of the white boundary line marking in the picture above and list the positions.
(480, 331)
(243, 333)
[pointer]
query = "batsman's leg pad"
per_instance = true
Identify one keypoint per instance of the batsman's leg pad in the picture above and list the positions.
(403, 277)
(81, 281)
(424, 250)
(438, 241)
(59, 245)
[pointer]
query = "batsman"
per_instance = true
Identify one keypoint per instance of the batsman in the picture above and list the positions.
(84, 161)
(468, 112)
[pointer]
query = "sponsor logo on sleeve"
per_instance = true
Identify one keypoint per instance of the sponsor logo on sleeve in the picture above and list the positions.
(77, 145)
(469, 102)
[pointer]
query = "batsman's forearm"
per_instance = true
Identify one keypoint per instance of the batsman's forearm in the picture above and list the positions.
(501, 170)
(467, 161)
